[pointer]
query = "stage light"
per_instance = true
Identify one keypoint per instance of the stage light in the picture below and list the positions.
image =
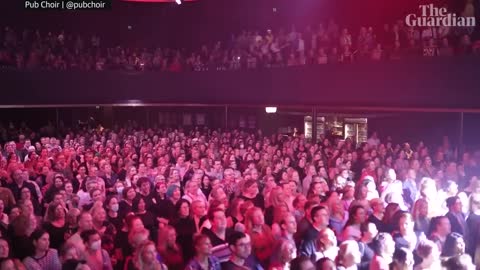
(270, 109)
(178, 2)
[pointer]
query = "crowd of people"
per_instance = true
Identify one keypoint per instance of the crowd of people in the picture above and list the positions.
(325, 43)
(136, 199)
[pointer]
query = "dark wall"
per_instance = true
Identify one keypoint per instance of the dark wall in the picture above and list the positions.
(421, 83)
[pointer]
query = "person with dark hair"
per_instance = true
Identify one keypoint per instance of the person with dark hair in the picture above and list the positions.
(404, 235)
(5, 254)
(126, 204)
(305, 223)
(459, 262)
(55, 224)
(144, 186)
(402, 259)
(454, 245)
(185, 227)
(43, 257)
(139, 207)
(218, 234)
(325, 263)
(74, 264)
(203, 258)
(320, 220)
(241, 248)
(250, 192)
(96, 257)
(112, 207)
(302, 263)
(455, 215)
(356, 216)
(439, 229)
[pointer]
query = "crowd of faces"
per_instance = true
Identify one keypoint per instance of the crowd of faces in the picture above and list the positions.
(136, 198)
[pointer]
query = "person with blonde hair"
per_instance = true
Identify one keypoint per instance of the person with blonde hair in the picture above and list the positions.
(348, 255)
(284, 253)
(146, 258)
(428, 191)
(136, 237)
(420, 216)
(428, 251)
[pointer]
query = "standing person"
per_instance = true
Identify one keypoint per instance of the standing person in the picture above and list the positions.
(96, 257)
(203, 258)
(43, 257)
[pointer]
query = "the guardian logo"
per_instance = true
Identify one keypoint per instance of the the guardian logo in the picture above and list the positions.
(431, 16)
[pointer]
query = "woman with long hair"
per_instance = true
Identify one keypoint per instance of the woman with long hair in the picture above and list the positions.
(388, 216)
(146, 257)
(277, 199)
(454, 245)
(169, 249)
(139, 207)
(112, 207)
(285, 253)
(42, 257)
(356, 216)
(126, 204)
(55, 224)
(185, 226)
(420, 216)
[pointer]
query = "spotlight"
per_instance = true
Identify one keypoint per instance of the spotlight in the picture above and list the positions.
(270, 109)
(178, 2)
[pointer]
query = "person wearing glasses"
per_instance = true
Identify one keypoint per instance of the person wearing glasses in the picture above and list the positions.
(241, 247)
